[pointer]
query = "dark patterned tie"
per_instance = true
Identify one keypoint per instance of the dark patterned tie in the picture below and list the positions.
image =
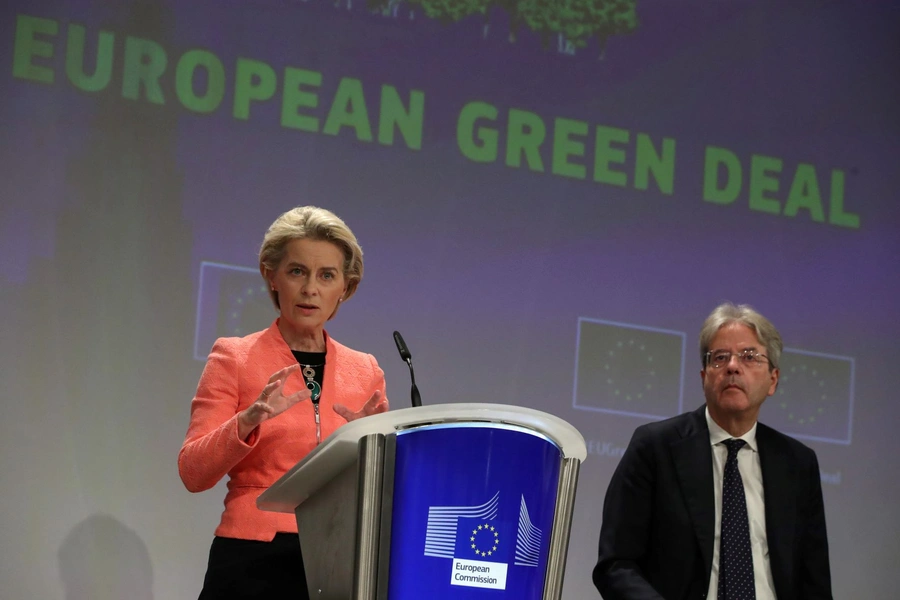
(735, 556)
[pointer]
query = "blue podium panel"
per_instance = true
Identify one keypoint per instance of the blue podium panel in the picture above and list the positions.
(472, 512)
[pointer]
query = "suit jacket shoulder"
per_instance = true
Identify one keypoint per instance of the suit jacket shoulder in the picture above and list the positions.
(656, 539)
(784, 444)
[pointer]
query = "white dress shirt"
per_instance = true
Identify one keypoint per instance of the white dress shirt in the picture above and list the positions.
(751, 475)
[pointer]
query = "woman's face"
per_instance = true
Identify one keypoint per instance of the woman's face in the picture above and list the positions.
(310, 283)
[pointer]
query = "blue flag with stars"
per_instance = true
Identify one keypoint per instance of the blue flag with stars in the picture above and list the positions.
(814, 399)
(628, 369)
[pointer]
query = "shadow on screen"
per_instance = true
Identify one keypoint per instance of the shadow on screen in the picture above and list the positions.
(103, 559)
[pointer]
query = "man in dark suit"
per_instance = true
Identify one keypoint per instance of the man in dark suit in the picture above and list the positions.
(662, 533)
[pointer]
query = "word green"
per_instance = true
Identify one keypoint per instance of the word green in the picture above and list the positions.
(480, 139)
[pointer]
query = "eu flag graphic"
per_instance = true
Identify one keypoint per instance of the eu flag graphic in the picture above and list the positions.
(232, 301)
(628, 369)
(484, 540)
(814, 399)
(244, 304)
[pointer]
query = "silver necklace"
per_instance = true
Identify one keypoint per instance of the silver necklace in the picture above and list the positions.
(309, 372)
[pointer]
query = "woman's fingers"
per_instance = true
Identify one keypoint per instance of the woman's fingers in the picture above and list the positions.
(284, 373)
(255, 414)
(376, 404)
(371, 402)
(300, 395)
(269, 390)
(377, 409)
(345, 412)
(265, 408)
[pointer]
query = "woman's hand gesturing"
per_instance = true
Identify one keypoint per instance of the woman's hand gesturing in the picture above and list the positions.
(271, 402)
(376, 404)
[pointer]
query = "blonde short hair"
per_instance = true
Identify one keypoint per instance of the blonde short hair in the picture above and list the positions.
(728, 313)
(311, 223)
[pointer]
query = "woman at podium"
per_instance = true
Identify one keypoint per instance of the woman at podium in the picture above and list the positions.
(264, 401)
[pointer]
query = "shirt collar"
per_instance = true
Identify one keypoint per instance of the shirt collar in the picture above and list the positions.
(717, 435)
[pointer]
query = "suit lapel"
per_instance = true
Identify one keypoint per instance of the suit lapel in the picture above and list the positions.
(780, 508)
(277, 347)
(692, 455)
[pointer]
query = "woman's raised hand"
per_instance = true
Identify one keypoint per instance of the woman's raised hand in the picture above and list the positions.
(271, 402)
(376, 404)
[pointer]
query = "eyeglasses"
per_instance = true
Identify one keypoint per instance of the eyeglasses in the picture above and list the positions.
(748, 358)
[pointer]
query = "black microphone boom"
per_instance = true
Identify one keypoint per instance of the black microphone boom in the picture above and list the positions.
(401, 347)
(407, 357)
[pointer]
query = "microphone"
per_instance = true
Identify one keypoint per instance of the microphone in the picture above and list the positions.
(407, 357)
(401, 347)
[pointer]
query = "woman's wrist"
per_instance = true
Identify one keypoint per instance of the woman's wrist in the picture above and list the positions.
(245, 428)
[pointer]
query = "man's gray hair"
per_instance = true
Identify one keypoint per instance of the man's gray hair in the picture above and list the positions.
(744, 314)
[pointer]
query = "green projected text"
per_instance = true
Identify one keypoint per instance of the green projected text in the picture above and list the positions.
(313, 102)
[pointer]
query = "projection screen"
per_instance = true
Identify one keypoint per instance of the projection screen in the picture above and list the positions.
(549, 204)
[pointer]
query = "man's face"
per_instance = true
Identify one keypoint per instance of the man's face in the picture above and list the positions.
(738, 388)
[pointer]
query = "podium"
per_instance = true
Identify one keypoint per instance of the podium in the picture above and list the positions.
(444, 501)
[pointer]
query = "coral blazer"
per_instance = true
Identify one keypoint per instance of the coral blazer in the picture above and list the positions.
(236, 371)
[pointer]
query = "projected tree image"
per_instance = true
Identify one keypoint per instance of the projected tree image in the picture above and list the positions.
(449, 11)
(577, 22)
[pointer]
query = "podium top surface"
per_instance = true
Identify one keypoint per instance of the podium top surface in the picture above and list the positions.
(339, 450)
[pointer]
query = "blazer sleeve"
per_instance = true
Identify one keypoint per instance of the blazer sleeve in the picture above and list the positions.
(378, 379)
(815, 573)
(625, 531)
(212, 446)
